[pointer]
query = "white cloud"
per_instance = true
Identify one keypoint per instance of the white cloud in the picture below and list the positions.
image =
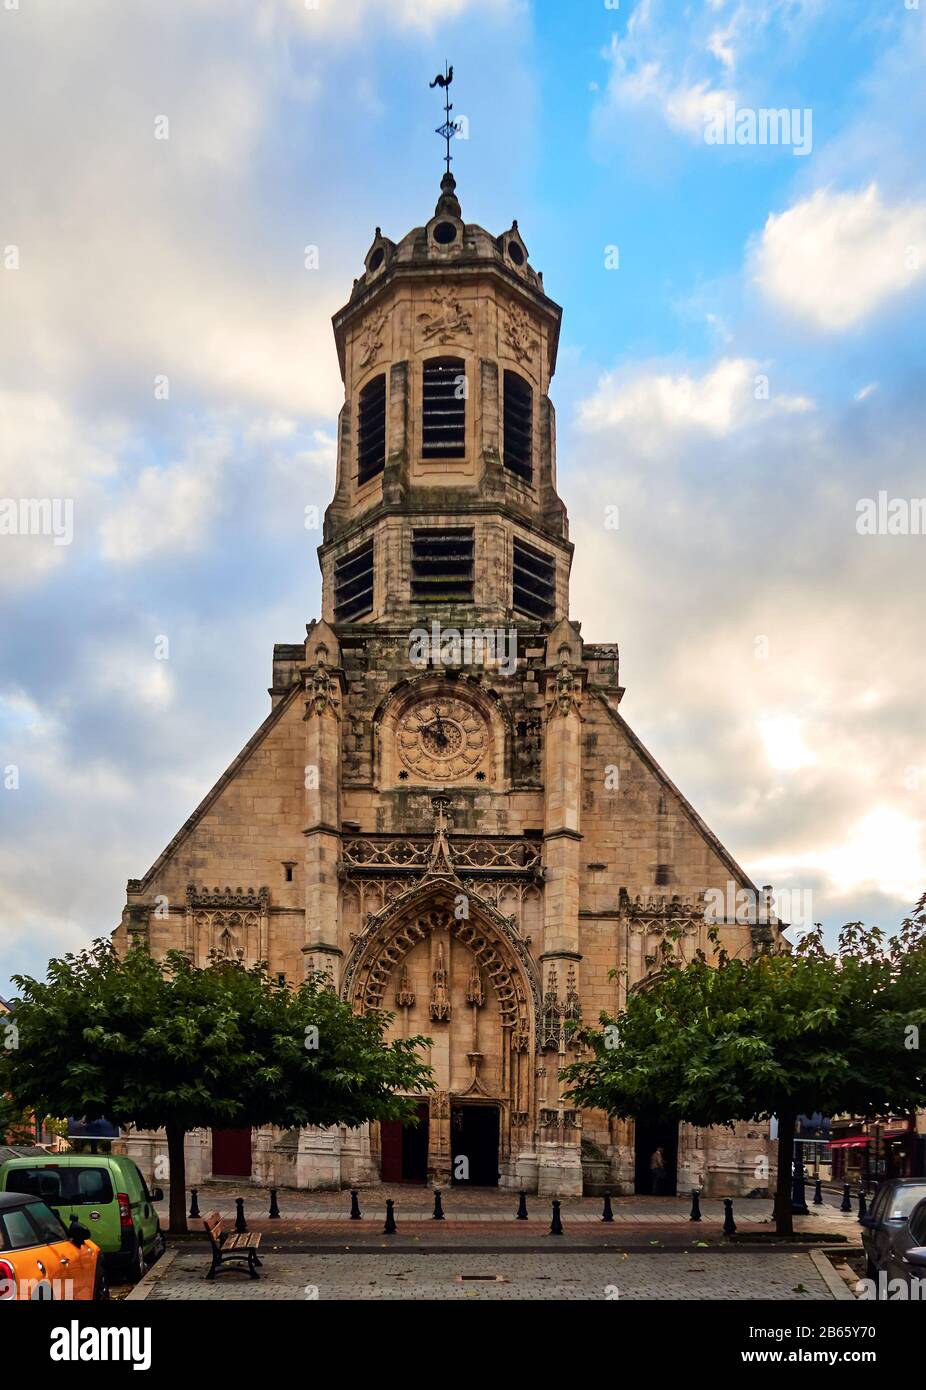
(329, 17)
(144, 256)
(883, 849)
(834, 259)
(686, 105)
(654, 403)
(48, 452)
(783, 739)
(135, 676)
(167, 509)
(761, 662)
(682, 65)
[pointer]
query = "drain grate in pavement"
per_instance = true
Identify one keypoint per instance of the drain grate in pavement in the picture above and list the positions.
(481, 1279)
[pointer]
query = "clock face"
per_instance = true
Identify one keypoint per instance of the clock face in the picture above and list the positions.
(441, 739)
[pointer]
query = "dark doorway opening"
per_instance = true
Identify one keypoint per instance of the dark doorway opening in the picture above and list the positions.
(404, 1149)
(650, 1136)
(474, 1136)
(231, 1153)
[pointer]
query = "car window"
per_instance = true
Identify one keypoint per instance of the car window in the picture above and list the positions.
(918, 1225)
(49, 1226)
(38, 1182)
(93, 1185)
(16, 1230)
(880, 1202)
(58, 1186)
(904, 1199)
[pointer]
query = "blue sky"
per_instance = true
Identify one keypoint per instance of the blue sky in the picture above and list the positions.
(771, 654)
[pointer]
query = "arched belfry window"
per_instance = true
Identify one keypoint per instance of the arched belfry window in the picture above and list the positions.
(519, 426)
(443, 429)
(371, 429)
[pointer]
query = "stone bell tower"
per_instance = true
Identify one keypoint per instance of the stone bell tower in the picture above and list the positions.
(445, 813)
(446, 520)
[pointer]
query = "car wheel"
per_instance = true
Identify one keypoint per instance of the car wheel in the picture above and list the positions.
(137, 1262)
(159, 1246)
(100, 1283)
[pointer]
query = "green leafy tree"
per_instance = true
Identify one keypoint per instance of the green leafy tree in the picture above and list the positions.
(165, 1044)
(16, 1125)
(783, 1034)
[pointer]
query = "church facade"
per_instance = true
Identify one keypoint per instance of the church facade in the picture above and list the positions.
(445, 812)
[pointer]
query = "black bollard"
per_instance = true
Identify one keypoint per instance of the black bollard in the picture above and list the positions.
(607, 1214)
(274, 1205)
(355, 1212)
(389, 1228)
(862, 1207)
(556, 1225)
(695, 1205)
(194, 1203)
(729, 1225)
(241, 1225)
(438, 1206)
(522, 1207)
(846, 1203)
(799, 1205)
(818, 1193)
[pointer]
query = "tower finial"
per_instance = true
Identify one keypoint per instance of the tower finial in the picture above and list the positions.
(449, 129)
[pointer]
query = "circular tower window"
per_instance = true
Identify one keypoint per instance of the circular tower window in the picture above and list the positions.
(377, 258)
(445, 233)
(515, 252)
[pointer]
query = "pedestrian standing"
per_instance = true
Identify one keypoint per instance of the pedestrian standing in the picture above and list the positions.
(657, 1171)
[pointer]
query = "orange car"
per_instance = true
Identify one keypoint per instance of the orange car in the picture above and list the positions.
(39, 1259)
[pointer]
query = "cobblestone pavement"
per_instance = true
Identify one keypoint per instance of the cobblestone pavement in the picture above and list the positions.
(748, 1275)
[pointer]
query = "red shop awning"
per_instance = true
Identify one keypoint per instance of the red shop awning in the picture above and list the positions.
(849, 1143)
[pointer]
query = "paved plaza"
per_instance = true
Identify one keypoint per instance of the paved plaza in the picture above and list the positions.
(650, 1251)
(788, 1276)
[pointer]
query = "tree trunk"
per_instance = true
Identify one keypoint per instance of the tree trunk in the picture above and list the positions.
(177, 1161)
(784, 1221)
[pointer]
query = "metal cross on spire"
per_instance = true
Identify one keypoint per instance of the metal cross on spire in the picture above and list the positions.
(449, 129)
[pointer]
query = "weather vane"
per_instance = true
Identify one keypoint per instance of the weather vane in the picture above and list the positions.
(450, 128)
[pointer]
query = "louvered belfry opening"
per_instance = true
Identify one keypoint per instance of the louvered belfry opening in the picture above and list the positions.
(353, 584)
(443, 434)
(371, 430)
(519, 424)
(534, 581)
(442, 565)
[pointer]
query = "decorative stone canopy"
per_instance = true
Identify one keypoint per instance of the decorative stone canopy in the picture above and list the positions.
(446, 240)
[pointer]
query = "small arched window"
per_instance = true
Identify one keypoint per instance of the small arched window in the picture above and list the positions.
(371, 430)
(519, 426)
(443, 429)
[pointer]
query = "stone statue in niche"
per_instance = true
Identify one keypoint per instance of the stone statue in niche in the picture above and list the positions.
(440, 990)
(565, 690)
(321, 685)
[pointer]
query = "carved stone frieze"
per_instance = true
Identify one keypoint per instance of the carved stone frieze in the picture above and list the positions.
(371, 340)
(446, 317)
(520, 335)
(484, 855)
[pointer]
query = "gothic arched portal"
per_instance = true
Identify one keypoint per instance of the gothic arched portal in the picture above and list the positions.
(449, 966)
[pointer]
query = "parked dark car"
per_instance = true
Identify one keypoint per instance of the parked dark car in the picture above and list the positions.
(906, 1251)
(893, 1205)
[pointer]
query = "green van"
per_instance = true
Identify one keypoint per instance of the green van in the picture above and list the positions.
(104, 1192)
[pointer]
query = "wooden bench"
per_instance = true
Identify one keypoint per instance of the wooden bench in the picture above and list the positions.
(235, 1251)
